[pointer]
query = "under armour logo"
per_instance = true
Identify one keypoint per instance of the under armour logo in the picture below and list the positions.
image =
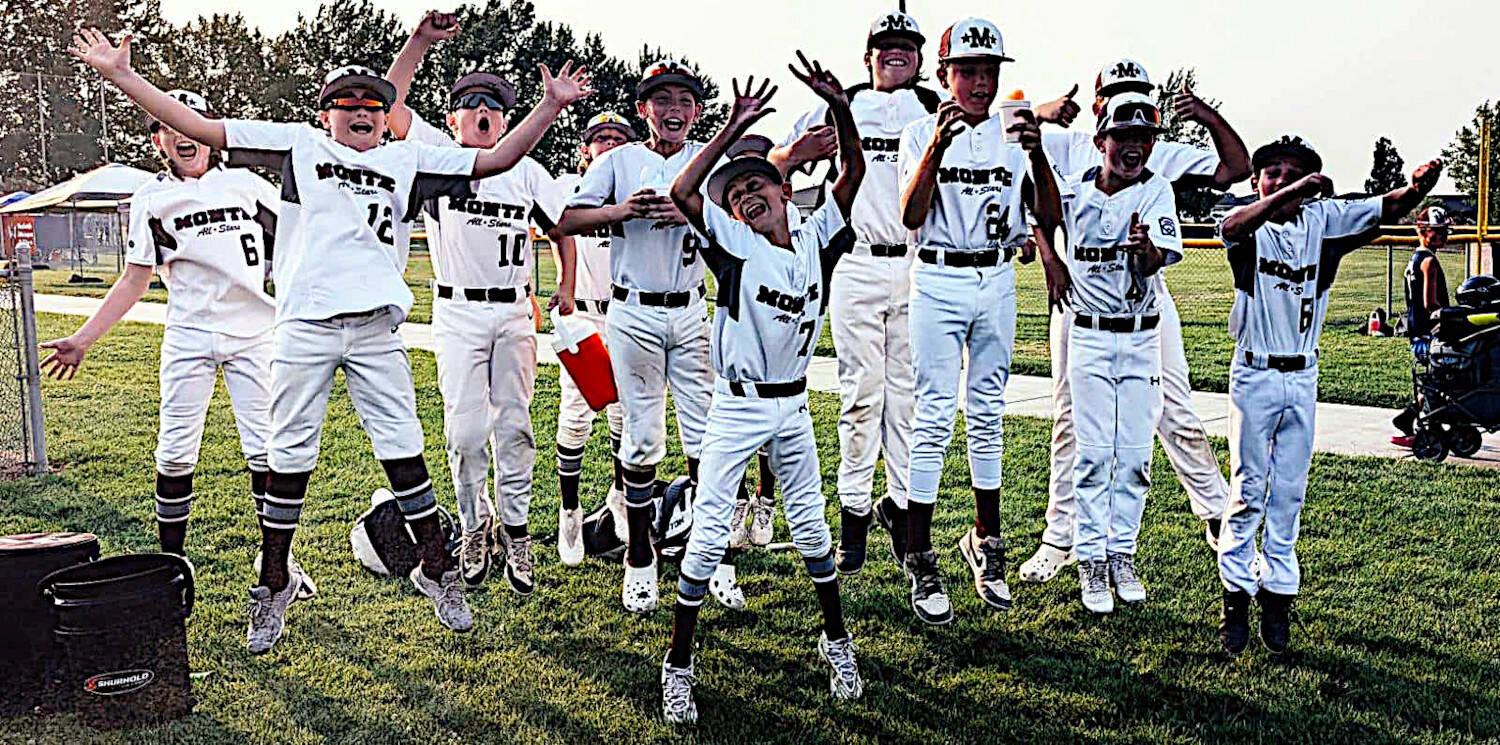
(1127, 70)
(894, 22)
(1155, 380)
(979, 37)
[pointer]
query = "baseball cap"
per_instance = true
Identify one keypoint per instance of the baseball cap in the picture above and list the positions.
(756, 145)
(356, 76)
(1124, 75)
(718, 184)
(668, 72)
(483, 82)
(191, 99)
(1293, 145)
(606, 120)
(1433, 217)
(895, 24)
(1130, 111)
(972, 38)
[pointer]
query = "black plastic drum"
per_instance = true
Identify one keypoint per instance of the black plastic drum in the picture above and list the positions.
(25, 621)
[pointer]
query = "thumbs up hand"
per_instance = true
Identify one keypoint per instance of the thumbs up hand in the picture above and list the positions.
(1062, 111)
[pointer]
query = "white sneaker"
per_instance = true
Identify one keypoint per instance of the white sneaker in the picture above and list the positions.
(268, 611)
(475, 552)
(739, 530)
(447, 596)
(1046, 563)
(844, 683)
(638, 592)
(570, 536)
(1127, 584)
(1093, 581)
(725, 589)
(761, 512)
(616, 503)
(677, 705)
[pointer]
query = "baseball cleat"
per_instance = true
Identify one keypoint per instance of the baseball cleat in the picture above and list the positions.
(928, 599)
(739, 529)
(893, 519)
(1093, 579)
(762, 510)
(518, 570)
(570, 536)
(447, 594)
(844, 682)
(475, 553)
(1046, 563)
(1275, 620)
(638, 591)
(268, 611)
(677, 705)
(1234, 622)
(854, 532)
(725, 589)
(1127, 583)
(986, 558)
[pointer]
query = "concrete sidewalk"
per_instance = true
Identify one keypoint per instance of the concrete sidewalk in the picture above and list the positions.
(1342, 429)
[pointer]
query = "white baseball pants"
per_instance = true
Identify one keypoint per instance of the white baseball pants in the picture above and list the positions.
(190, 362)
(651, 348)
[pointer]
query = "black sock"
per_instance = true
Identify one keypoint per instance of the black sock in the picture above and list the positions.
(275, 547)
(918, 527)
(285, 493)
(614, 454)
(640, 485)
(766, 488)
(693, 470)
(826, 585)
(414, 496)
(690, 594)
(987, 512)
(174, 499)
(569, 471)
(517, 531)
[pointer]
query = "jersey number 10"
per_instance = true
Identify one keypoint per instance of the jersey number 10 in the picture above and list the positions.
(514, 257)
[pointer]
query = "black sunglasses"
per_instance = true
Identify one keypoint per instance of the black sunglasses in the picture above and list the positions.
(475, 100)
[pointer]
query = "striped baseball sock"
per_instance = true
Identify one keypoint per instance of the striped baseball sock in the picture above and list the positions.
(282, 511)
(414, 496)
(640, 487)
(826, 584)
(569, 470)
(174, 500)
(690, 594)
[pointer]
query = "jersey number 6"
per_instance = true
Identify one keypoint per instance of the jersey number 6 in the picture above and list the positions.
(247, 244)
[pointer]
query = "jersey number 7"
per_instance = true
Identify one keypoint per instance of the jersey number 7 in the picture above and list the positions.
(806, 329)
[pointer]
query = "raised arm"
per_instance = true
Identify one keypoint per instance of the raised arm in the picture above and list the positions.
(749, 108)
(434, 27)
(1239, 225)
(916, 200)
(1398, 202)
(1044, 198)
(851, 154)
(557, 94)
(1234, 158)
(113, 62)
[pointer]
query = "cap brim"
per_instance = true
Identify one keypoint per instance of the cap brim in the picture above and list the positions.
(719, 183)
(628, 131)
(1156, 128)
(913, 35)
(381, 87)
(1267, 152)
(961, 57)
(481, 82)
(644, 88)
(1130, 86)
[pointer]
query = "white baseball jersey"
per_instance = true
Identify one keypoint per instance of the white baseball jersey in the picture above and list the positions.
(1283, 272)
(1098, 225)
(591, 277)
(1073, 152)
(213, 237)
(771, 299)
(642, 257)
(977, 203)
(484, 240)
(345, 214)
(880, 117)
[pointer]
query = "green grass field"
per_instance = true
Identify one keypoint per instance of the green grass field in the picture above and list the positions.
(1397, 641)
(1356, 368)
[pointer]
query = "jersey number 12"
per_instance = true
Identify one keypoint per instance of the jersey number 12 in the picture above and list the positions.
(381, 226)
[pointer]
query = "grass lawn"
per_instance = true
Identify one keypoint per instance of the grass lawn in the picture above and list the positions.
(1397, 641)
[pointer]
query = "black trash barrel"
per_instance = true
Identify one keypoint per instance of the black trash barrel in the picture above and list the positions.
(25, 620)
(121, 626)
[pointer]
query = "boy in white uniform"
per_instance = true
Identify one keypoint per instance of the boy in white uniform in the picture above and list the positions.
(771, 292)
(591, 290)
(1121, 223)
(208, 230)
(1284, 250)
(965, 194)
(482, 320)
(346, 203)
(869, 300)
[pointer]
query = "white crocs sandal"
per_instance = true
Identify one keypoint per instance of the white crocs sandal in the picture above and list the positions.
(638, 593)
(725, 589)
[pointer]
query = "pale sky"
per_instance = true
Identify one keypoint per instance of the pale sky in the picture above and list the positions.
(1340, 73)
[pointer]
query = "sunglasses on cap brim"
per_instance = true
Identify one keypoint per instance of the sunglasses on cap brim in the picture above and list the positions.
(355, 104)
(475, 100)
(1134, 115)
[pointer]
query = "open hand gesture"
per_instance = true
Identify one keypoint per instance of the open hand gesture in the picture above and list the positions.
(821, 81)
(437, 27)
(1426, 175)
(1062, 111)
(750, 108)
(67, 355)
(94, 48)
(570, 85)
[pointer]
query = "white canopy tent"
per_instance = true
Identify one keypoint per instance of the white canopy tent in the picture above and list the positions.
(105, 189)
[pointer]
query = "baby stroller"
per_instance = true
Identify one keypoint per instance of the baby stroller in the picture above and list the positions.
(1456, 380)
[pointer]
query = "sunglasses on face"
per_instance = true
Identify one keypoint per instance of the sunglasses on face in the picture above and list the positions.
(356, 104)
(1137, 114)
(475, 100)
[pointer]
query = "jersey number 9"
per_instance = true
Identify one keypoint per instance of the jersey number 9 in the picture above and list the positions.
(690, 247)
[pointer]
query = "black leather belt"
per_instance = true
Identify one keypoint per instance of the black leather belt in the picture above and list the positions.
(661, 299)
(592, 306)
(356, 314)
(1282, 362)
(770, 390)
(887, 250)
(1122, 325)
(485, 294)
(982, 258)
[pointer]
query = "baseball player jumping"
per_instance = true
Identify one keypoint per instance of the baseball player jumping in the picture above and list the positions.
(771, 281)
(657, 324)
(869, 299)
(966, 189)
(346, 202)
(482, 321)
(1283, 251)
(1179, 428)
(1121, 223)
(591, 288)
(208, 230)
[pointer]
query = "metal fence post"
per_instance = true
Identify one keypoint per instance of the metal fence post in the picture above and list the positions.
(1390, 268)
(36, 425)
